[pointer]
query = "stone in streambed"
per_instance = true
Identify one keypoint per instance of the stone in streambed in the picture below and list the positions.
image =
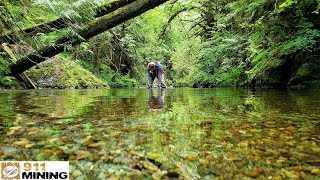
(76, 173)
(83, 154)
(98, 144)
(315, 171)
(148, 165)
(255, 172)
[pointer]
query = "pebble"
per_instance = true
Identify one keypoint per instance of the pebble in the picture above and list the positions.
(315, 171)
(290, 174)
(76, 173)
(158, 175)
(255, 172)
(152, 156)
(83, 154)
(98, 144)
(10, 132)
(192, 157)
(28, 146)
(21, 143)
(297, 168)
(116, 133)
(54, 140)
(148, 165)
(85, 142)
(71, 168)
(118, 151)
(132, 152)
(291, 128)
(15, 128)
(111, 171)
(102, 176)
(204, 162)
(33, 132)
(316, 150)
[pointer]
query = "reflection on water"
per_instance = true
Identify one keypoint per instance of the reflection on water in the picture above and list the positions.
(156, 103)
(166, 133)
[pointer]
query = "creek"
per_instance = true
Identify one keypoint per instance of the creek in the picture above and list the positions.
(223, 133)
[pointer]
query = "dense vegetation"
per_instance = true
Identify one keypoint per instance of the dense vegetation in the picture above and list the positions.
(201, 43)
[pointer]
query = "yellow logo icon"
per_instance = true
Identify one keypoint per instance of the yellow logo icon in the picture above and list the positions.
(10, 170)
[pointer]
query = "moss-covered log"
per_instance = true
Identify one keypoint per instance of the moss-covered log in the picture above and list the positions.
(92, 29)
(61, 23)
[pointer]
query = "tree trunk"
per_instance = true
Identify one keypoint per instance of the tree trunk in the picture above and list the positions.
(92, 29)
(60, 23)
(27, 82)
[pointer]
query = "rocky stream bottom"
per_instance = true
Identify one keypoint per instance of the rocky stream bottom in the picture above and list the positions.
(121, 150)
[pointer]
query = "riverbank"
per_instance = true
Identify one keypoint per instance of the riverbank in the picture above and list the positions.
(63, 72)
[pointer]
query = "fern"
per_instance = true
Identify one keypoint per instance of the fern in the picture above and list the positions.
(4, 66)
(305, 40)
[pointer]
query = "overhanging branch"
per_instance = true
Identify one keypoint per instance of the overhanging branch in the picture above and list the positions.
(164, 29)
(61, 23)
(92, 29)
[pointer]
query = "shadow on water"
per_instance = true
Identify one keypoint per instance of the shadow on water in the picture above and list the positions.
(166, 133)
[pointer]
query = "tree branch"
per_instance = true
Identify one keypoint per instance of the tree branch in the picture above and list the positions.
(164, 29)
(61, 23)
(92, 29)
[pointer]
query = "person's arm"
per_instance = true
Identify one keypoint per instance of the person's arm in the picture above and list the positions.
(150, 79)
(159, 76)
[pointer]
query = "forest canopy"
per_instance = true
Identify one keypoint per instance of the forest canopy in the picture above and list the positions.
(200, 43)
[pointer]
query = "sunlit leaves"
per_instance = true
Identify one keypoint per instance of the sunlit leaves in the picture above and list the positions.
(11, 13)
(318, 8)
(286, 5)
(80, 10)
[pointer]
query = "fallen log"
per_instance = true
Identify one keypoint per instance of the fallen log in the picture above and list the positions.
(92, 29)
(61, 23)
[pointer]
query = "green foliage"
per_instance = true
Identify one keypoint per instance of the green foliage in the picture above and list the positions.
(11, 12)
(6, 81)
(200, 43)
(283, 37)
(3, 65)
(124, 82)
(305, 40)
(286, 5)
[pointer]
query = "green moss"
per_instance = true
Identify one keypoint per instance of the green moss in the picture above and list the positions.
(307, 74)
(62, 72)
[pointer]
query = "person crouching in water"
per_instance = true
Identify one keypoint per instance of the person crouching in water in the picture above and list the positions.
(155, 70)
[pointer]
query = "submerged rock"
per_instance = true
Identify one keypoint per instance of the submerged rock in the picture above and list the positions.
(76, 173)
(83, 154)
(148, 165)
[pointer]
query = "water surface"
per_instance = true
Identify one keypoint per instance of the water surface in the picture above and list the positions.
(165, 134)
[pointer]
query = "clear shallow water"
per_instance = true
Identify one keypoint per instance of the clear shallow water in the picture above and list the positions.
(175, 133)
